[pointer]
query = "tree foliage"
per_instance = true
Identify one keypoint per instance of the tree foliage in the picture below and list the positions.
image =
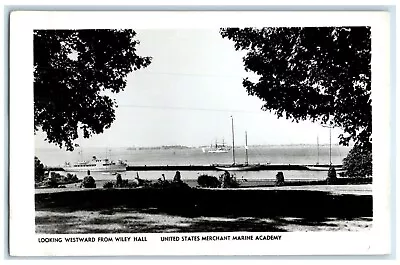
(72, 71)
(322, 74)
(39, 170)
(358, 162)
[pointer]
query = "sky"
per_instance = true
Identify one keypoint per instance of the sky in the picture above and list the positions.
(187, 96)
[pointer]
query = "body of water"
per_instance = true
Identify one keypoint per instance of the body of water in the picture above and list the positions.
(299, 154)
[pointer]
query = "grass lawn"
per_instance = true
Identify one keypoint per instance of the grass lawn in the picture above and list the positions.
(273, 209)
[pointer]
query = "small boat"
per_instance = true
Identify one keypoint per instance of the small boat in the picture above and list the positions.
(324, 168)
(96, 165)
(318, 168)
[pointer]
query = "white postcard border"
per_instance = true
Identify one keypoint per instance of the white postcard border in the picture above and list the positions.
(24, 241)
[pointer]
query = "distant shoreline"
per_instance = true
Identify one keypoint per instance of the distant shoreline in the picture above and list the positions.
(179, 147)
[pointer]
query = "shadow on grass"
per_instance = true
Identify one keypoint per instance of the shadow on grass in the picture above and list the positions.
(247, 210)
(56, 219)
(56, 224)
(121, 223)
(305, 222)
(237, 225)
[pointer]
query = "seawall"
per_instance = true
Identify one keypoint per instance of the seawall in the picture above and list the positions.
(208, 167)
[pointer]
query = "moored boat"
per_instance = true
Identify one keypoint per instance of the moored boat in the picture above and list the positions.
(217, 149)
(96, 165)
(235, 166)
(323, 168)
(238, 167)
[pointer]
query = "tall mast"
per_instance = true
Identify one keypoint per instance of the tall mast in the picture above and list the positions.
(233, 143)
(330, 142)
(330, 146)
(80, 154)
(318, 149)
(246, 148)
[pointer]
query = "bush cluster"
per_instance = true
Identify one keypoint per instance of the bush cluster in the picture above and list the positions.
(108, 185)
(138, 182)
(229, 181)
(206, 181)
(225, 180)
(88, 182)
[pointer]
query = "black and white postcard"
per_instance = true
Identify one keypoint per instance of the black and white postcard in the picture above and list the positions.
(199, 133)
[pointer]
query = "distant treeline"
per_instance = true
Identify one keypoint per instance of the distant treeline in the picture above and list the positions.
(164, 147)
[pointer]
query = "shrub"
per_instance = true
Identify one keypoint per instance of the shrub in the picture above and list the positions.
(124, 183)
(177, 177)
(119, 181)
(165, 184)
(89, 182)
(108, 185)
(280, 179)
(332, 172)
(207, 181)
(177, 185)
(132, 184)
(52, 183)
(143, 183)
(232, 183)
(161, 183)
(331, 179)
(72, 177)
(228, 181)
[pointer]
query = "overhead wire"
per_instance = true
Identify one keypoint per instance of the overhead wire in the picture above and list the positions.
(187, 108)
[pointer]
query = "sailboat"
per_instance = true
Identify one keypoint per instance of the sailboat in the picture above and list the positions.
(317, 166)
(239, 167)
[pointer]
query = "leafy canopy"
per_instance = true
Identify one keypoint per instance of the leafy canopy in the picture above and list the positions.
(322, 74)
(39, 170)
(72, 71)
